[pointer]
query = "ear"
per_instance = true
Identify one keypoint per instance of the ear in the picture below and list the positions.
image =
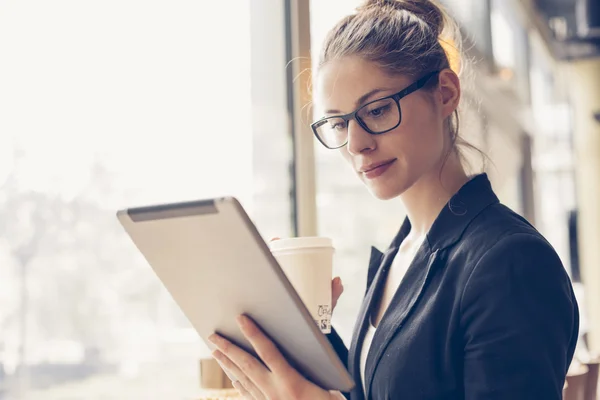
(449, 87)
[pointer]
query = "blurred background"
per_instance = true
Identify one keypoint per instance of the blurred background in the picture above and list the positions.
(111, 104)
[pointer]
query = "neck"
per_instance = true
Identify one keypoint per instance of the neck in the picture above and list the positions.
(427, 197)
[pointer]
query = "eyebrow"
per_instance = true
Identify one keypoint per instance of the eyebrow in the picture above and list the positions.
(362, 99)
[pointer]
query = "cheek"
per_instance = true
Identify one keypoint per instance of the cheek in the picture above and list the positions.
(423, 134)
(344, 153)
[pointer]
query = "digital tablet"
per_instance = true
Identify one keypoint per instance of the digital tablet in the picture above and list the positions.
(212, 260)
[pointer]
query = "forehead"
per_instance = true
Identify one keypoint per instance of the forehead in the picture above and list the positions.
(340, 83)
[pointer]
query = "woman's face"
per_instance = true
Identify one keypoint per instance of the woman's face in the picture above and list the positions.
(389, 163)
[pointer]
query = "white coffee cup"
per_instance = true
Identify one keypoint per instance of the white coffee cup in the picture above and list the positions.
(308, 265)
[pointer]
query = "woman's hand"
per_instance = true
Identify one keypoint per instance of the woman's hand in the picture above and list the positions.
(273, 378)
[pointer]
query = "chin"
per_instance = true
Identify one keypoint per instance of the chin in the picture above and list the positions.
(385, 192)
(390, 185)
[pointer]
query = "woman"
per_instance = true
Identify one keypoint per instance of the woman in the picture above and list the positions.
(469, 301)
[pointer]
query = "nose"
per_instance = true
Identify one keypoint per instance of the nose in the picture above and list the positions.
(359, 140)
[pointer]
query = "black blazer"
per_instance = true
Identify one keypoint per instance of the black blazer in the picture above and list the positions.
(485, 311)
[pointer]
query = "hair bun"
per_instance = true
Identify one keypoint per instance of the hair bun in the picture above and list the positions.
(426, 10)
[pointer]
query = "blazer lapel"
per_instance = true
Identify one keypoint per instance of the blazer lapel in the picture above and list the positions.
(403, 302)
(374, 264)
(379, 264)
(378, 267)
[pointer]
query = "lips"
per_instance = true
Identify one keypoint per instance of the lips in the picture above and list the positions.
(373, 171)
(374, 166)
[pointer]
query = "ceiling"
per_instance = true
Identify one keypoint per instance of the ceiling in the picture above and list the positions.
(556, 7)
(561, 22)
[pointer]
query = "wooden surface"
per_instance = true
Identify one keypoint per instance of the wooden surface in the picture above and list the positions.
(219, 394)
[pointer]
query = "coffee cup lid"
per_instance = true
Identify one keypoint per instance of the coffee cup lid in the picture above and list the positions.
(300, 243)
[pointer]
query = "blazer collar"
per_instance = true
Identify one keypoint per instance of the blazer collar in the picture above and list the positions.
(475, 196)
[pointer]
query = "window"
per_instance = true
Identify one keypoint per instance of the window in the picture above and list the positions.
(510, 46)
(474, 17)
(553, 153)
(105, 105)
(503, 39)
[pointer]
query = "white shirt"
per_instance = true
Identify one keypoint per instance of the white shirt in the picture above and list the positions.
(396, 273)
(366, 345)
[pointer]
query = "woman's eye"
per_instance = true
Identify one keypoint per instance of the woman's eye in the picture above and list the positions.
(338, 126)
(379, 111)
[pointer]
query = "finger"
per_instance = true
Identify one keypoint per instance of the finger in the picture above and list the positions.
(253, 392)
(336, 291)
(242, 390)
(242, 361)
(265, 348)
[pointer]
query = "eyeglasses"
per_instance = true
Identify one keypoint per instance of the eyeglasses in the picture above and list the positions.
(376, 117)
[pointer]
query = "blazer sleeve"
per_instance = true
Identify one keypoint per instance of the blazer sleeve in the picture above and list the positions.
(520, 322)
(341, 350)
(338, 345)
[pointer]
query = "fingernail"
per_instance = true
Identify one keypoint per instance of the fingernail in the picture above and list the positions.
(242, 320)
(213, 339)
